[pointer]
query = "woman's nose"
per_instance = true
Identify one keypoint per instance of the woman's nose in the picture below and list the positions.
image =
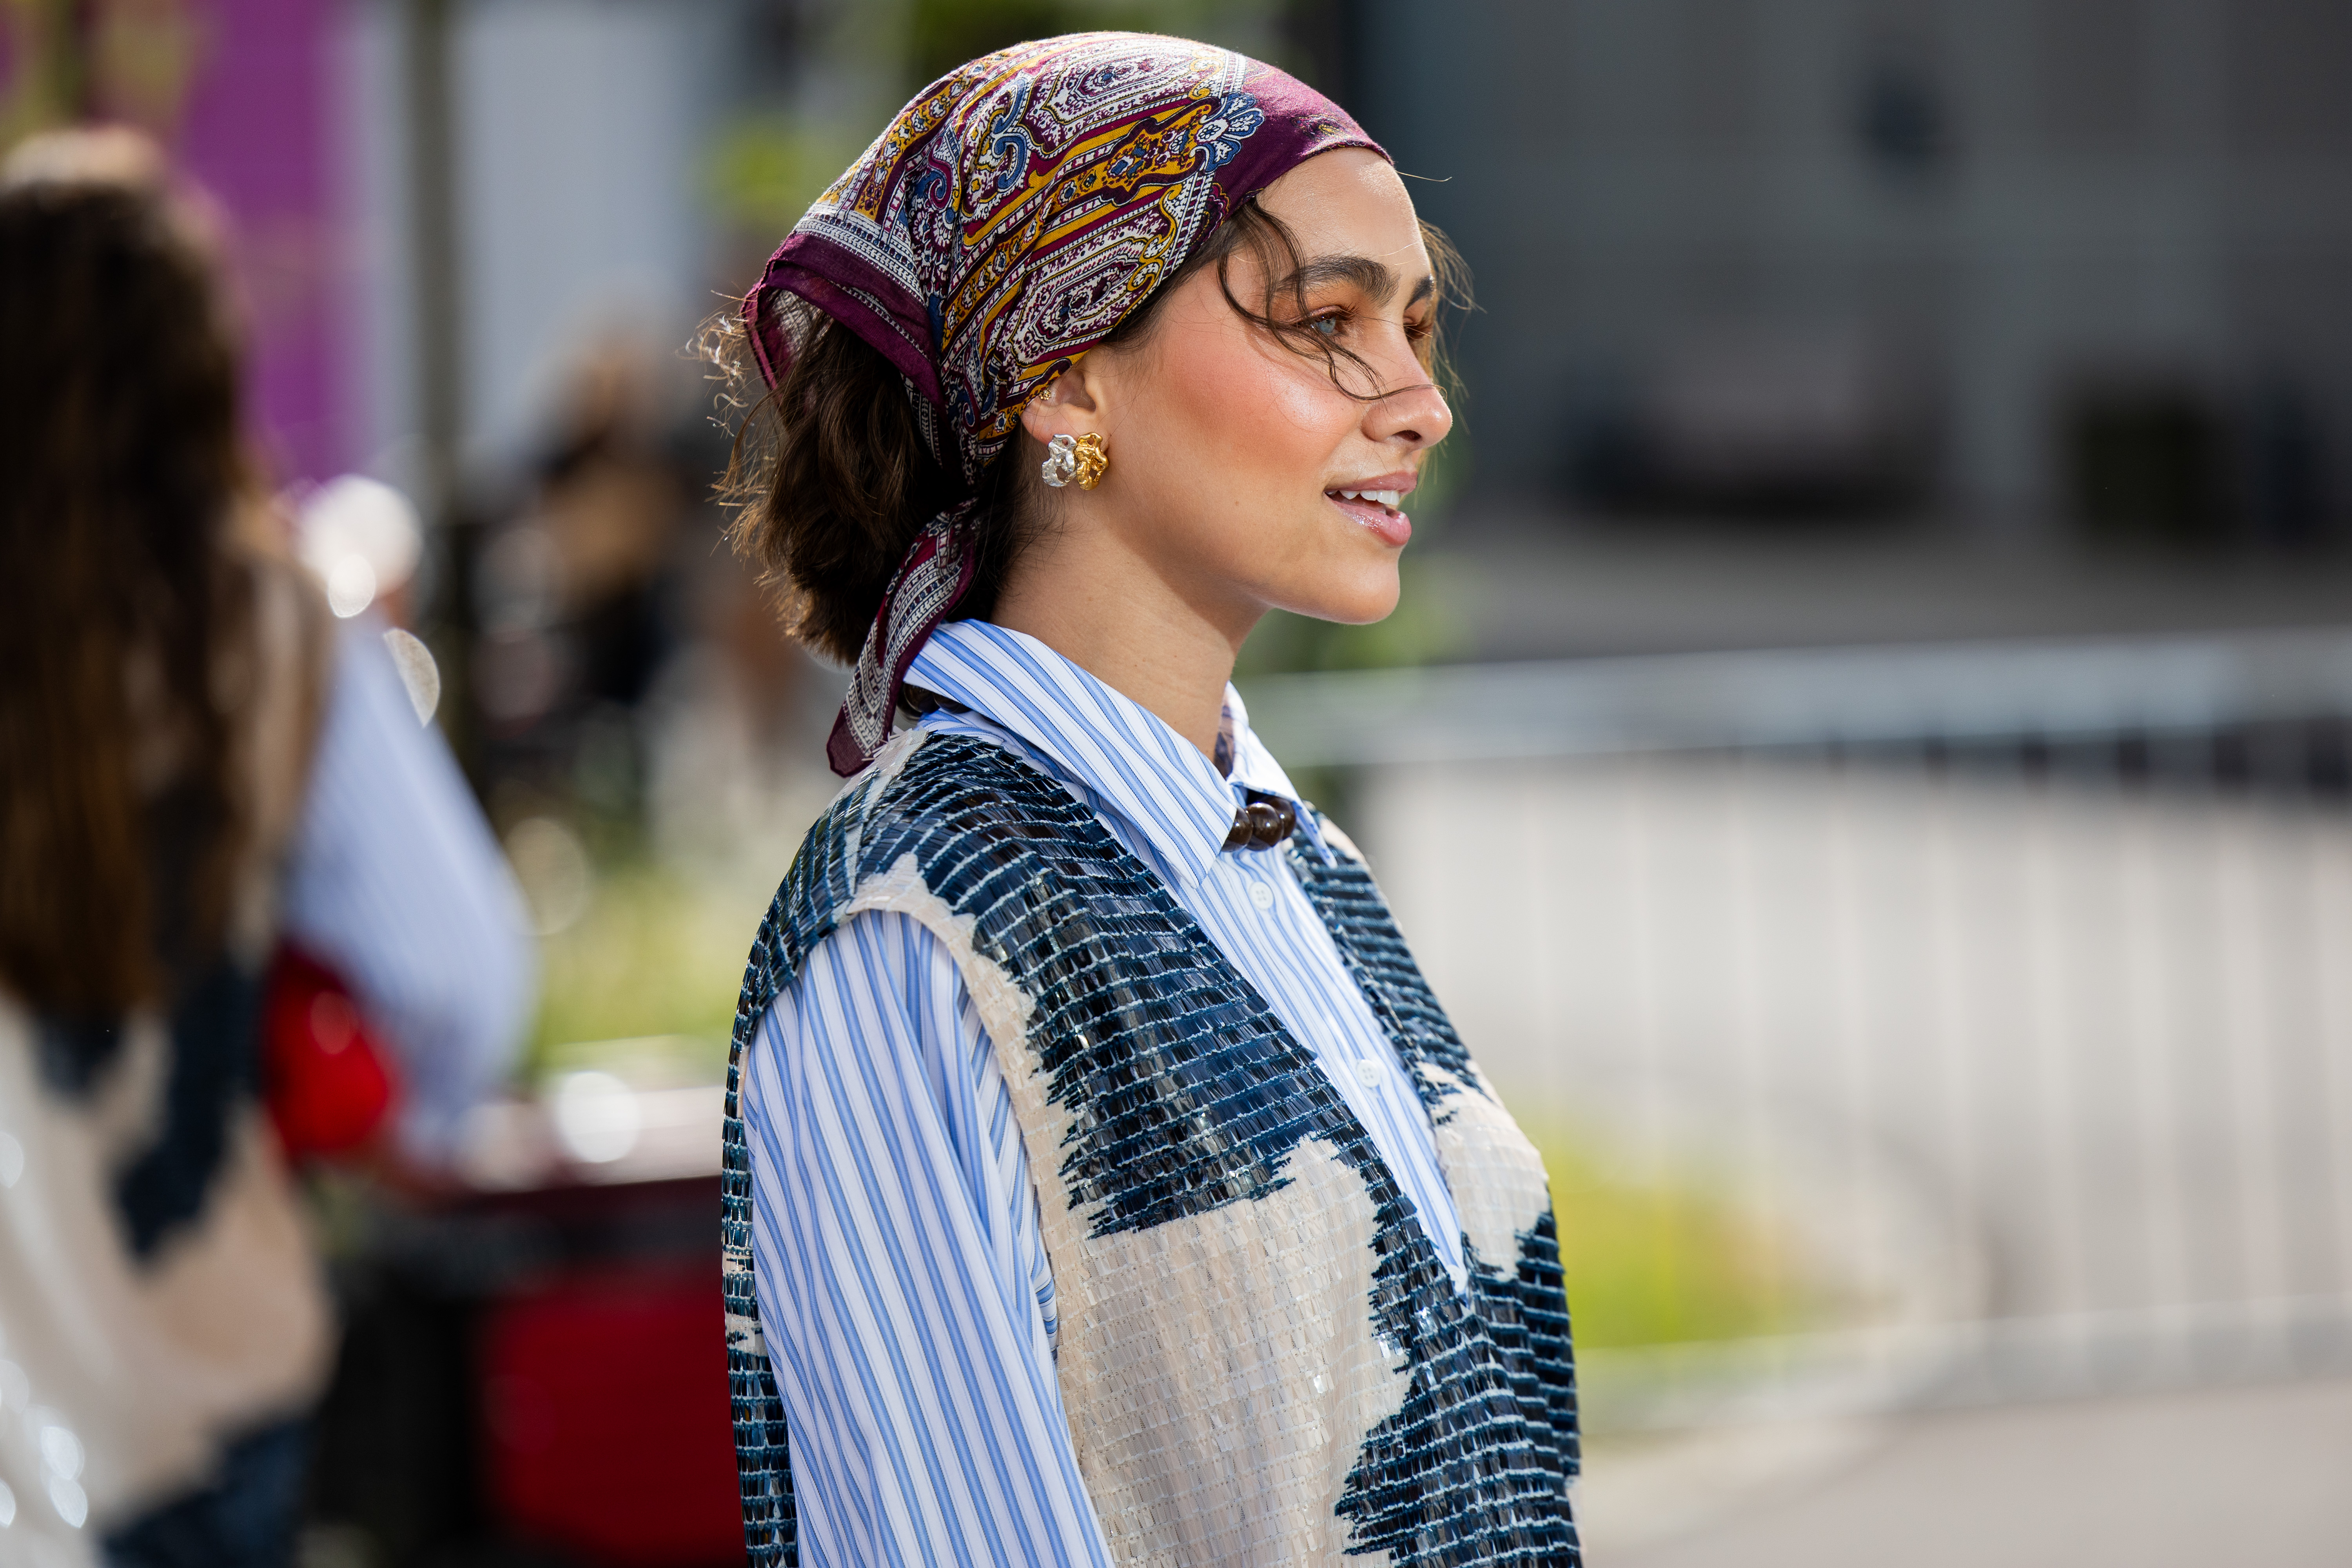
(1415, 412)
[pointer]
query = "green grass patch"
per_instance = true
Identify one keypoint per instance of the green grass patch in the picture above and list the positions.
(1664, 1259)
(654, 955)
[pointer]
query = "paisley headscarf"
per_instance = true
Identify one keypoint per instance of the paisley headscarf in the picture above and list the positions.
(1006, 222)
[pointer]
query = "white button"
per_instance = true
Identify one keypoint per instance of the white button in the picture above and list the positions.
(1261, 895)
(1370, 1071)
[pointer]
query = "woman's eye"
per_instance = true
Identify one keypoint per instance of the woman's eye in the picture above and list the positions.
(1327, 325)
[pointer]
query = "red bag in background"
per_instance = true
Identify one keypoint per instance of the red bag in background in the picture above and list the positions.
(327, 1083)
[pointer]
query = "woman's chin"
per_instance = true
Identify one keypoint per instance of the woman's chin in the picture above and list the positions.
(1372, 598)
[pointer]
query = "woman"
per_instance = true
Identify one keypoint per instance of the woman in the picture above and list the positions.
(195, 764)
(1108, 1187)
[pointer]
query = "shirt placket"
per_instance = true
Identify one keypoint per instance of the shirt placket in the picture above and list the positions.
(1366, 1057)
(1369, 1057)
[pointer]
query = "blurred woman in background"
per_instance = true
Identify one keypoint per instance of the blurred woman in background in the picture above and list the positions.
(198, 765)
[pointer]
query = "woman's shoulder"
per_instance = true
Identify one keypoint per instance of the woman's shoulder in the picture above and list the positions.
(928, 786)
(930, 828)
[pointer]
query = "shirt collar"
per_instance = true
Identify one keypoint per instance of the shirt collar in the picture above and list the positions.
(1123, 755)
(1253, 766)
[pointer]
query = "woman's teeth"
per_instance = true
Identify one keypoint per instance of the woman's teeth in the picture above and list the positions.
(1383, 497)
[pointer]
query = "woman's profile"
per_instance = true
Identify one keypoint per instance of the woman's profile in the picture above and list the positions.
(1105, 1184)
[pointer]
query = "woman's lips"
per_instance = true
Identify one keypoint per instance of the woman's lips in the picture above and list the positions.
(1393, 526)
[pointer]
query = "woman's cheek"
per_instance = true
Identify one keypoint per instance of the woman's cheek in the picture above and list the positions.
(1297, 400)
(1261, 409)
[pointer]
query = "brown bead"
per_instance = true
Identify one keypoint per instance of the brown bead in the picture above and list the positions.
(1264, 823)
(1270, 823)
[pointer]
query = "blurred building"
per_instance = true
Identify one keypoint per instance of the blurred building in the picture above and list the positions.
(2014, 261)
(2030, 265)
(574, 210)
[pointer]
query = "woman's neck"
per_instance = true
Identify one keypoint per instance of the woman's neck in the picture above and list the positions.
(1106, 611)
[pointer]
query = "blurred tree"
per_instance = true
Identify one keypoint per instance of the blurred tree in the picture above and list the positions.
(944, 33)
(765, 169)
(41, 70)
(129, 61)
(143, 56)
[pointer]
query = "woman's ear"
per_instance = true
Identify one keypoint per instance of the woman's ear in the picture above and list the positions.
(1068, 406)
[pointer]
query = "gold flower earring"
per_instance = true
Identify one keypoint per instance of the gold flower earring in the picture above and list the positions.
(1079, 458)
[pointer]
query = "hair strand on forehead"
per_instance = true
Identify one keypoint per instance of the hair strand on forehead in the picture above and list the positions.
(1286, 277)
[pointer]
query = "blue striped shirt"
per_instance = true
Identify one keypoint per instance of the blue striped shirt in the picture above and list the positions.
(904, 1288)
(395, 883)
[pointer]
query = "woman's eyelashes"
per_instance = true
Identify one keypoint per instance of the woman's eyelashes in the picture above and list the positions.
(1341, 321)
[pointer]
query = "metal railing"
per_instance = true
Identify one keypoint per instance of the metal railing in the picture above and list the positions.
(2012, 978)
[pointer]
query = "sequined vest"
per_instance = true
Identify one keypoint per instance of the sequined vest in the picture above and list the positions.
(1261, 1357)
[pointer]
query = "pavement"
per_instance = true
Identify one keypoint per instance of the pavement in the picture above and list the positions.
(2258, 1476)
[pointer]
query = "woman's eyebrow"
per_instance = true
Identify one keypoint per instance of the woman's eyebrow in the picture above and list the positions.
(1373, 278)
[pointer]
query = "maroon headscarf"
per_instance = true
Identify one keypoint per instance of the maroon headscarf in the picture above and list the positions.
(1007, 221)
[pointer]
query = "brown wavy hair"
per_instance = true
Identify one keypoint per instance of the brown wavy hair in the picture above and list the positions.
(120, 824)
(830, 480)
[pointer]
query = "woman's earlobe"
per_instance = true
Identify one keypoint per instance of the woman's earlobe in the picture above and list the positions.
(1039, 418)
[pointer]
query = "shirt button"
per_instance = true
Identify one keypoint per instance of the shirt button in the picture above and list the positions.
(1369, 1073)
(1261, 895)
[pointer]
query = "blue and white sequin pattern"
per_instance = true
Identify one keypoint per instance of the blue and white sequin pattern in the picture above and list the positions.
(1262, 1355)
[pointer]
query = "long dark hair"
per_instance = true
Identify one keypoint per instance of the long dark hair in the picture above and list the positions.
(121, 475)
(831, 481)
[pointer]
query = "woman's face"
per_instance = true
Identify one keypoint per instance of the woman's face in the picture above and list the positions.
(1241, 474)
